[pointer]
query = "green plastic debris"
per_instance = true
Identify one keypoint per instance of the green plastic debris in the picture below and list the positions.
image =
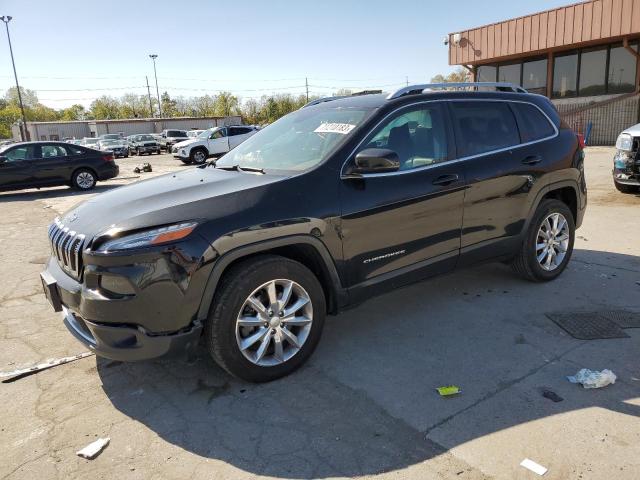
(449, 390)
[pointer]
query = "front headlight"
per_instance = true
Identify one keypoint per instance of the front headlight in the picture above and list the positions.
(148, 238)
(624, 142)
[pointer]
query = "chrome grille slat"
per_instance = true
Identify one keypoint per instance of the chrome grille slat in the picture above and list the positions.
(66, 246)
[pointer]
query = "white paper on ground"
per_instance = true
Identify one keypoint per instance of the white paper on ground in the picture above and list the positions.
(533, 466)
(91, 450)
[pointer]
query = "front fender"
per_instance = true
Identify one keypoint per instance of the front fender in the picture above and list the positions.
(223, 262)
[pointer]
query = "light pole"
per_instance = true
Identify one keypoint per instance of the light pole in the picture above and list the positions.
(153, 57)
(23, 129)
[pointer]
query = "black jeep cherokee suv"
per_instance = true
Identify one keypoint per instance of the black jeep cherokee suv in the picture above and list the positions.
(331, 204)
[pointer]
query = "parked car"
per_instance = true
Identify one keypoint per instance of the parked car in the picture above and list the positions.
(194, 133)
(144, 143)
(91, 142)
(170, 137)
(45, 164)
(329, 205)
(215, 141)
(626, 162)
(119, 148)
(111, 136)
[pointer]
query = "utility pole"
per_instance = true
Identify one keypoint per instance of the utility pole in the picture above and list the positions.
(407, 78)
(23, 130)
(153, 57)
(306, 83)
(149, 93)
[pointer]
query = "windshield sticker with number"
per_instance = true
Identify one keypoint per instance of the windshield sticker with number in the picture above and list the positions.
(342, 128)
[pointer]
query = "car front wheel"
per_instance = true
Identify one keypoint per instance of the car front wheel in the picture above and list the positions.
(83, 179)
(198, 155)
(266, 319)
(548, 245)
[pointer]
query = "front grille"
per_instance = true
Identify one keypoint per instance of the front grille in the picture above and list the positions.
(66, 246)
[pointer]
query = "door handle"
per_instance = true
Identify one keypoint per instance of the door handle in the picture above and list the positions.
(445, 179)
(532, 160)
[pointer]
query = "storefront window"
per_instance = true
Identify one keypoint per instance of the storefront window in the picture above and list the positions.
(593, 65)
(622, 70)
(534, 76)
(509, 73)
(565, 75)
(487, 73)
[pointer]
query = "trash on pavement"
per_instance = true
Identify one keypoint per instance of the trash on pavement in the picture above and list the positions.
(146, 167)
(533, 466)
(92, 450)
(24, 372)
(448, 390)
(551, 395)
(593, 378)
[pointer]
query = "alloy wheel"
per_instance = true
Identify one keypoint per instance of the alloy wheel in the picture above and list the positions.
(552, 241)
(85, 180)
(274, 322)
(199, 156)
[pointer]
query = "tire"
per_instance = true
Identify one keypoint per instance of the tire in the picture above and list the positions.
(622, 188)
(526, 262)
(223, 336)
(186, 161)
(198, 155)
(84, 179)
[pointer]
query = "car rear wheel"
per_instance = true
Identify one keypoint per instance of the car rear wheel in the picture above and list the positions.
(83, 179)
(548, 244)
(622, 188)
(198, 155)
(266, 319)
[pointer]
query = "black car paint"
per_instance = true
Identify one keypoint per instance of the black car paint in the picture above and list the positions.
(363, 235)
(53, 171)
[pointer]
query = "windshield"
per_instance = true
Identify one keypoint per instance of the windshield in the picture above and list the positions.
(90, 141)
(297, 141)
(110, 137)
(176, 133)
(144, 138)
(207, 133)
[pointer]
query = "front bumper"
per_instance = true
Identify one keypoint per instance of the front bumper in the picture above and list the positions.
(127, 343)
(133, 307)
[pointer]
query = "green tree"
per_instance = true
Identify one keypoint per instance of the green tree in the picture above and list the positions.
(74, 112)
(168, 105)
(105, 107)
(226, 104)
(29, 97)
(459, 75)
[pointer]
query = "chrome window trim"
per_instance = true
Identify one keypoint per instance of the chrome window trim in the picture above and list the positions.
(453, 160)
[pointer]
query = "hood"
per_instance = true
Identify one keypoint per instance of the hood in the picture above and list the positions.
(186, 143)
(633, 131)
(194, 194)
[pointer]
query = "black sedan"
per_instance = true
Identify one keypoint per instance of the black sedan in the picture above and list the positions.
(46, 164)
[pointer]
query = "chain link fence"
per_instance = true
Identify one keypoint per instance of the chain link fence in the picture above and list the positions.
(605, 119)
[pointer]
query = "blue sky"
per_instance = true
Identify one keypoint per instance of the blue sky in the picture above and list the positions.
(66, 50)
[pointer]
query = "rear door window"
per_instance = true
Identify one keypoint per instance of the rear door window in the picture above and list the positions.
(50, 151)
(483, 127)
(533, 124)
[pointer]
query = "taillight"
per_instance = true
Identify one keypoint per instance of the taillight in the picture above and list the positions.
(107, 158)
(581, 140)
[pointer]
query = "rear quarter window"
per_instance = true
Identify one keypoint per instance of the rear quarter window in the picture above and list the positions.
(482, 127)
(533, 124)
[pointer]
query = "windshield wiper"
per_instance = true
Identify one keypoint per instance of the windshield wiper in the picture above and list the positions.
(238, 168)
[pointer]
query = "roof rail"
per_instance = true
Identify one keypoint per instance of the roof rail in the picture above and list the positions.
(416, 89)
(337, 97)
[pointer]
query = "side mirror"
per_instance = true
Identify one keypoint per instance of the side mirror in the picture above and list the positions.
(376, 160)
(2, 159)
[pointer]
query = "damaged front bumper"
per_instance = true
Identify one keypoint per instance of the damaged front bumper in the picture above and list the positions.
(626, 167)
(128, 343)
